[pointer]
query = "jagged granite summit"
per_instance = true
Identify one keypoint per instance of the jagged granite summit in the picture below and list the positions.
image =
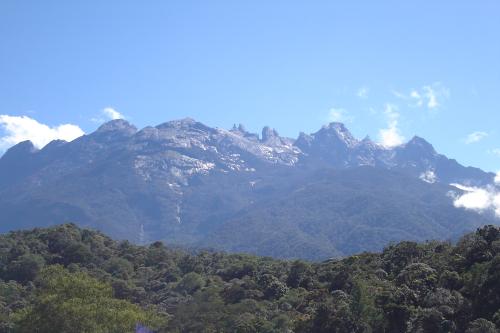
(324, 194)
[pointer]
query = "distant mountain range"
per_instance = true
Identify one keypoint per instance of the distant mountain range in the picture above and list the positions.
(324, 194)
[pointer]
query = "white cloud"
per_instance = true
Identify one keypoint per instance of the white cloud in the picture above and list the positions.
(107, 114)
(478, 199)
(497, 178)
(22, 128)
(363, 92)
(391, 136)
(398, 94)
(112, 114)
(429, 177)
(474, 198)
(339, 115)
(475, 137)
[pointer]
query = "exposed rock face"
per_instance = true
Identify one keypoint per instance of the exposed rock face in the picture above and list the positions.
(118, 127)
(188, 183)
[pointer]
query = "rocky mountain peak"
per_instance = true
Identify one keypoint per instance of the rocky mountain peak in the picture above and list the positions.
(270, 136)
(420, 145)
(367, 139)
(338, 132)
(240, 128)
(21, 149)
(304, 141)
(368, 142)
(242, 131)
(186, 125)
(118, 125)
(178, 123)
(54, 145)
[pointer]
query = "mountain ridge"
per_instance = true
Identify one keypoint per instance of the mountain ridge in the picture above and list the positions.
(187, 183)
(330, 138)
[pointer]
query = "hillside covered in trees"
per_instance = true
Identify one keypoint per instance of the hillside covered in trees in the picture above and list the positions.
(66, 279)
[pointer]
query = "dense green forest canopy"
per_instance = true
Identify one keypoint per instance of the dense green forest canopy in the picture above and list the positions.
(66, 279)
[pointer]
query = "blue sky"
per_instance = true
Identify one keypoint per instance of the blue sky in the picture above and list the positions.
(389, 69)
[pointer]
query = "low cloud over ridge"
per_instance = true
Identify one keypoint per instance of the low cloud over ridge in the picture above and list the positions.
(112, 114)
(391, 136)
(479, 199)
(107, 114)
(21, 128)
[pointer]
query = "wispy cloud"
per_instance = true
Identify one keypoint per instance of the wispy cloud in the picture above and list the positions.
(475, 137)
(391, 136)
(429, 96)
(494, 151)
(398, 94)
(363, 92)
(339, 115)
(21, 128)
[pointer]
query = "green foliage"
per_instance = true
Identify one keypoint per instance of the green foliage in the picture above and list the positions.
(75, 302)
(119, 267)
(191, 282)
(481, 326)
(363, 303)
(13, 297)
(64, 279)
(25, 267)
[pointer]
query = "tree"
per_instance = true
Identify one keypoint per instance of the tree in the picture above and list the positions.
(12, 297)
(299, 274)
(481, 326)
(419, 277)
(25, 267)
(191, 282)
(273, 288)
(119, 267)
(363, 303)
(75, 302)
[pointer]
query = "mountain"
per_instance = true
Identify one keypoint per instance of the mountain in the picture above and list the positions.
(324, 194)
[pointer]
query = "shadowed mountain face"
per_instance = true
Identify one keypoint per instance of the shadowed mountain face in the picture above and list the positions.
(322, 195)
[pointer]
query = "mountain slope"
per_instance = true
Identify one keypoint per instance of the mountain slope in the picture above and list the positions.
(340, 212)
(326, 193)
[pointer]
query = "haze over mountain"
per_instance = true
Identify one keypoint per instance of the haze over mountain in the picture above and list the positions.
(324, 194)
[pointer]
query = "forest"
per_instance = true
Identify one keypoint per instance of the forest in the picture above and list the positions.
(67, 279)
